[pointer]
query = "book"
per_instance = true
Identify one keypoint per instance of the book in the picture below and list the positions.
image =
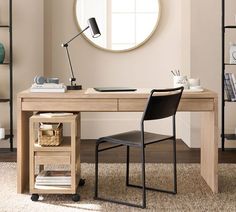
(232, 83)
(48, 90)
(230, 87)
(52, 183)
(60, 178)
(50, 115)
(234, 79)
(48, 87)
(227, 93)
(54, 175)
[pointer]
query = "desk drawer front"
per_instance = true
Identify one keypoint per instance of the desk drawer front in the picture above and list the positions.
(185, 105)
(44, 158)
(70, 105)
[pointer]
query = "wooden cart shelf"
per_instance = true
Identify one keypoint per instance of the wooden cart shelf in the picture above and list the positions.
(65, 146)
(67, 153)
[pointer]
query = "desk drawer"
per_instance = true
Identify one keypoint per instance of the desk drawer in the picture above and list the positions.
(132, 105)
(189, 105)
(44, 158)
(96, 105)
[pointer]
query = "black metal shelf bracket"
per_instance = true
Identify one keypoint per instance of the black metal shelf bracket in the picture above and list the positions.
(222, 79)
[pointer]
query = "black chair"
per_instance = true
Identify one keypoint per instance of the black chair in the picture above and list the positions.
(159, 106)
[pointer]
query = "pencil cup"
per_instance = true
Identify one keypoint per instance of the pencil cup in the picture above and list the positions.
(2, 133)
(181, 81)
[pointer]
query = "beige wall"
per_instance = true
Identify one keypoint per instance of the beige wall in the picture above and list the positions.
(205, 56)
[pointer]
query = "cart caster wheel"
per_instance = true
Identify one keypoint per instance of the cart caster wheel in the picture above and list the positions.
(81, 182)
(76, 197)
(35, 197)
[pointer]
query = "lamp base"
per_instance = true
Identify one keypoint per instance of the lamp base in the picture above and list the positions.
(74, 87)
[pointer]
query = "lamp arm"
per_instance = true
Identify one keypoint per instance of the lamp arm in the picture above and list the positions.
(71, 68)
(66, 44)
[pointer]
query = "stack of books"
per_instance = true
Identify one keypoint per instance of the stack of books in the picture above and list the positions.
(48, 87)
(230, 86)
(53, 178)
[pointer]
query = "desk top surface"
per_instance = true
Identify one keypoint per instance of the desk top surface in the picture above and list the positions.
(89, 94)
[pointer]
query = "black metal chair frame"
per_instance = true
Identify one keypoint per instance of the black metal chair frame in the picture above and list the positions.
(145, 117)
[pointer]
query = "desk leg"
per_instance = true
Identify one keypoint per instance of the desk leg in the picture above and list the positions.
(22, 149)
(209, 149)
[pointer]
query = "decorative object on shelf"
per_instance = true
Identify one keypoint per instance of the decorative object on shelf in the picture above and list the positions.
(50, 134)
(232, 53)
(95, 32)
(2, 133)
(2, 53)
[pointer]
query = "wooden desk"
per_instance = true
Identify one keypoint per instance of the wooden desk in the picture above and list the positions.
(79, 101)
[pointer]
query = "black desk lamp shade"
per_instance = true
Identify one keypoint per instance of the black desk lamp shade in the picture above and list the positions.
(95, 32)
(94, 28)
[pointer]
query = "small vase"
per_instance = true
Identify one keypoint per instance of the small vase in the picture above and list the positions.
(2, 53)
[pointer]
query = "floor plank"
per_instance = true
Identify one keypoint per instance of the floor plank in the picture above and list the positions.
(156, 153)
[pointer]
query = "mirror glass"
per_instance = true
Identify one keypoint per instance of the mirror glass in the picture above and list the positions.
(124, 24)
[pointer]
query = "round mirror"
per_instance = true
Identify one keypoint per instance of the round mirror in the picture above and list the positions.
(124, 24)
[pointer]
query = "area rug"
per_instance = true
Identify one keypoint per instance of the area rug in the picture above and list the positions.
(193, 193)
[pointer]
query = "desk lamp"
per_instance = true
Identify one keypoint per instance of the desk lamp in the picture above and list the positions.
(92, 24)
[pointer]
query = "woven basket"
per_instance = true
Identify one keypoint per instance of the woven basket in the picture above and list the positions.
(50, 137)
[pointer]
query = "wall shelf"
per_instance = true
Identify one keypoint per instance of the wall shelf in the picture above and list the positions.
(230, 26)
(4, 100)
(10, 65)
(230, 64)
(4, 26)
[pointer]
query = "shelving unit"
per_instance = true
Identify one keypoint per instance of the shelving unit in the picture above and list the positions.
(10, 64)
(67, 153)
(225, 28)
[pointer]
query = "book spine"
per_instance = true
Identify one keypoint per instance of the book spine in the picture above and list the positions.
(234, 80)
(227, 92)
(229, 86)
(232, 85)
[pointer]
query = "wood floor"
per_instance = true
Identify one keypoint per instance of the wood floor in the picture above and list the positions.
(156, 153)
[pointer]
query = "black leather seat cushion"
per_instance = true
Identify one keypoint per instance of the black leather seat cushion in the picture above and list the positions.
(133, 138)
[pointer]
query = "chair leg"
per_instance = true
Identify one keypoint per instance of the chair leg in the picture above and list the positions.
(127, 167)
(175, 169)
(143, 178)
(144, 187)
(96, 172)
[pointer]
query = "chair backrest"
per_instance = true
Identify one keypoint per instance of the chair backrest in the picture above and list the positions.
(162, 105)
